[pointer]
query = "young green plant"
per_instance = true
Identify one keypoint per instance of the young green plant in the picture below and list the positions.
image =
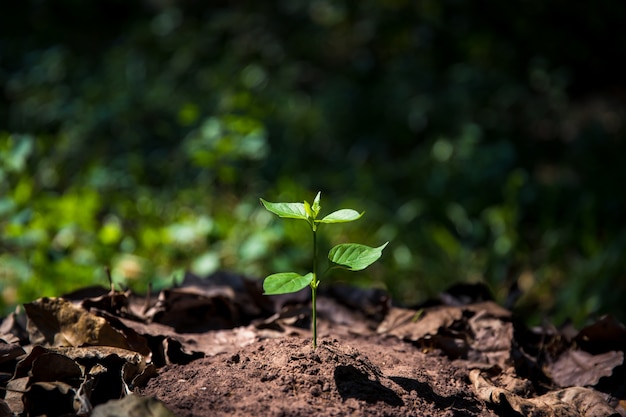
(350, 256)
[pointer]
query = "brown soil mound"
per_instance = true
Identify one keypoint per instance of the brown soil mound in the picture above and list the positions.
(285, 377)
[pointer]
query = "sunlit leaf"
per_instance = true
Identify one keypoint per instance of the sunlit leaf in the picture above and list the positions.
(342, 216)
(354, 256)
(286, 282)
(63, 324)
(286, 210)
(316, 204)
(133, 405)
(308, 210)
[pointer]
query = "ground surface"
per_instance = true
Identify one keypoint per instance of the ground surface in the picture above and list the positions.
(218, 347)
(284, 376)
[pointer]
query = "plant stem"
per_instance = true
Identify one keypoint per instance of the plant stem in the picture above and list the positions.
(314, 283)
(314, 311)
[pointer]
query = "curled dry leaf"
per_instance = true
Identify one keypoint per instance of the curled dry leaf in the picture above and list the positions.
(414, 325)
(133, 406)
(192, 309)
(57, 322)
(52, 366)
(77, 377)
(9, 352)
(492, 339)
(13, 328)
(221, 301)
(54, 398)
(15, 388)
(569, 402)
(481, 332)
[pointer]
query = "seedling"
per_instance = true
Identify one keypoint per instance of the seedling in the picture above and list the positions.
(350, 256)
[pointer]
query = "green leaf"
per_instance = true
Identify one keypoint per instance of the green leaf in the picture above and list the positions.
(286, 282)
(316, 204)
(309, 212)
(313, 210)
(354, 256)
(286, 210)
(342, 216)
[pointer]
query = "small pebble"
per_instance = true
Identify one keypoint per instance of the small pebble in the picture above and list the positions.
(315, 391)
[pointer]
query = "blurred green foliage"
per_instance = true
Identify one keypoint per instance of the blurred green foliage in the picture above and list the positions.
(484, 139)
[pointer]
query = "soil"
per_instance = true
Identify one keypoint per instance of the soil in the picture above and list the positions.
(286, 377)
(216, 347)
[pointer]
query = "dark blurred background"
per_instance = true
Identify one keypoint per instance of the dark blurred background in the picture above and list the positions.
(484, 139)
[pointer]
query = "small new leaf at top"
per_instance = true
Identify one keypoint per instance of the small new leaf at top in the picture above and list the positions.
(310, 214)
(316, 204)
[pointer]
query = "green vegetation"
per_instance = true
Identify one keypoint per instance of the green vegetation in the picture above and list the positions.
(484, 141)
(350, 256)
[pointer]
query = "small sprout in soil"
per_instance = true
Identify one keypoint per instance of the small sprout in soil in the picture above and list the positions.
(350, 256)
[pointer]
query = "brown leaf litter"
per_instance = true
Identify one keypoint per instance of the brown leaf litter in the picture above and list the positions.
(216, 346)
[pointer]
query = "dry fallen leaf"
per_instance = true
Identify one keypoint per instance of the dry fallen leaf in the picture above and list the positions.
(9, 352)
(76, 377)
(568, 402)
(492, 338)
(481, 332)
(50, 398)
(15, 389)
(413, 325)
(604, 335)
(579, 368)
(57, 322)
(132, 406)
